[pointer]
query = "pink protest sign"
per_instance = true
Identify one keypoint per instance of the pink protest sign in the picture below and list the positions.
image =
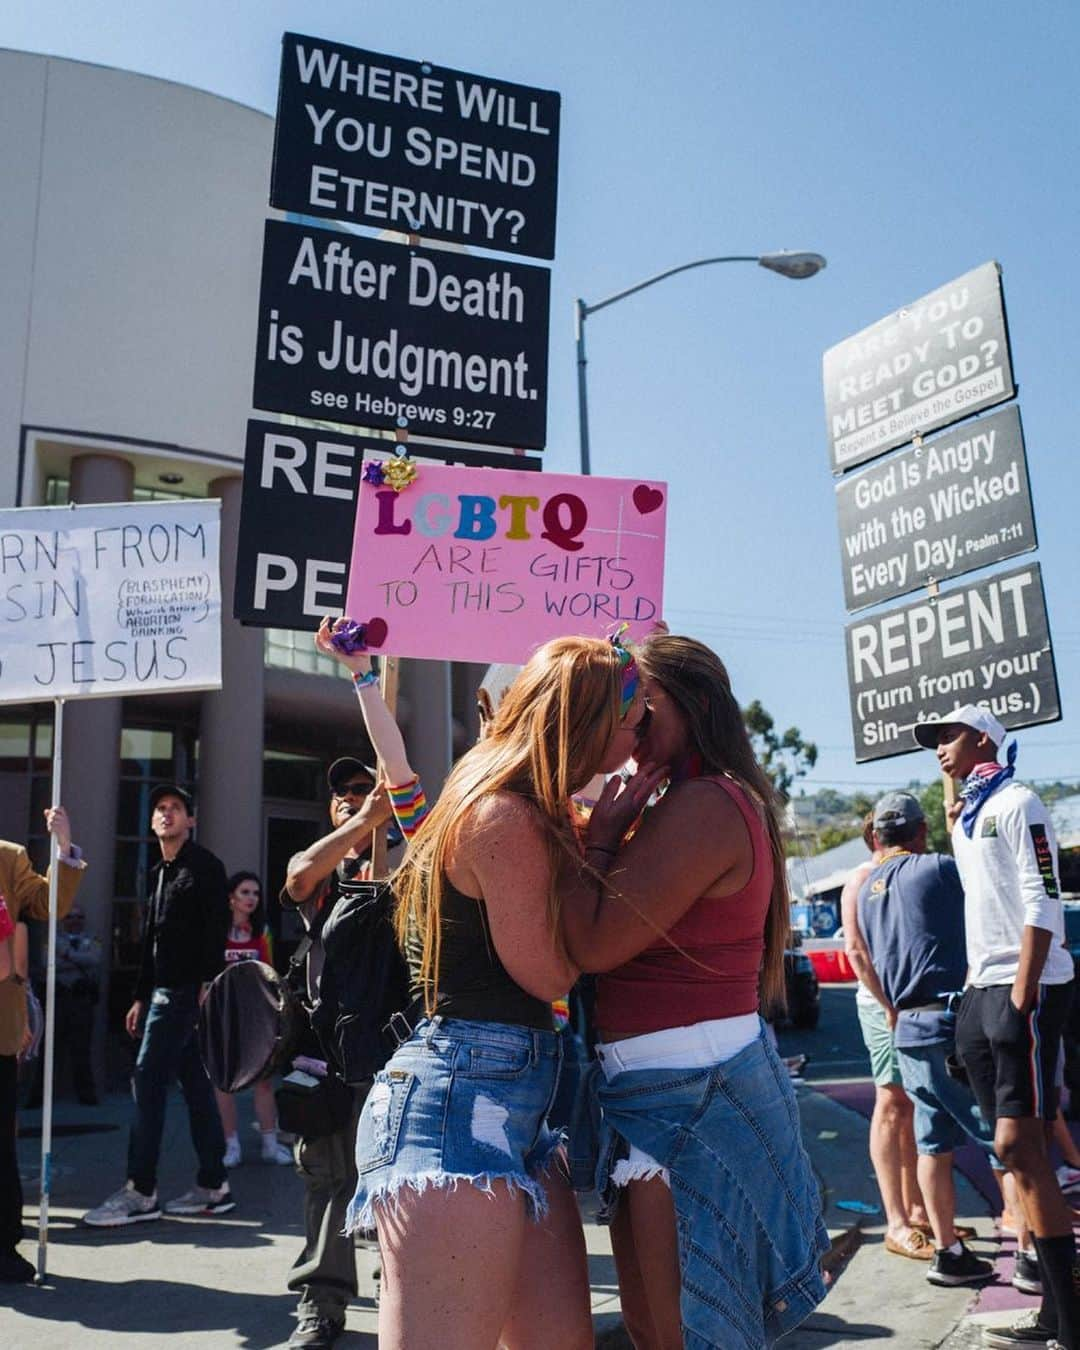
(486, 564)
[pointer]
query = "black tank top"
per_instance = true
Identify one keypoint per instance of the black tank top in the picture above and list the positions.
(474, 985)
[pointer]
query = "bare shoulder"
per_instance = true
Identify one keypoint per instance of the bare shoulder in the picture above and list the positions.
(702, 801)
(498, 812)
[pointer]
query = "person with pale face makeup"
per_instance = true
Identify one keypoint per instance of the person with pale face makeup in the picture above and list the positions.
(248, 940)
(183, 950)
(1018, 993)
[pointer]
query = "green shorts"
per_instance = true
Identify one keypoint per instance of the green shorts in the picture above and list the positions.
(884, 1064)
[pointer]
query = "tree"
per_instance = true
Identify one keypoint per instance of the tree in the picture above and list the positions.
(784, 757)
(833, 835)
(932, 801)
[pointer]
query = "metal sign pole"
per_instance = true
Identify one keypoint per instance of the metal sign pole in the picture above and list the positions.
(50, 1002)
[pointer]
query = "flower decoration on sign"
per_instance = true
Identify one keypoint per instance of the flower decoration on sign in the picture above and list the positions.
(353, 637)
(373, 473)
(399, 472)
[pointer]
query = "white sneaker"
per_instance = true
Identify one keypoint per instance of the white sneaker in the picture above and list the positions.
(127, 1205)
(273, 1151)
(202, 1200)
(232, 1152)
(1068, 1177)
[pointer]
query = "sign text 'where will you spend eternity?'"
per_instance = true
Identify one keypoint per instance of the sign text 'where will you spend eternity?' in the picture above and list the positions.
(486, 564)
(97, 601)
(940, 359)
(404, 145)
(371, 334)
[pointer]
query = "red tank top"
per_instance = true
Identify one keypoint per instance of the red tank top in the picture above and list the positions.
(661, 988)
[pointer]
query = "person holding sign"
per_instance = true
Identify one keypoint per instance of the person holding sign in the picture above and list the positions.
(480, 1236)
(1019, 989)
(686, 925)
(24, 893)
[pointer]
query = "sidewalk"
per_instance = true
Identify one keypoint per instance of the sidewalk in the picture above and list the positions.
(221, 1283)
(203, 1284)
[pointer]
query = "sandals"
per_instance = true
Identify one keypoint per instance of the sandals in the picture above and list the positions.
(916, 1245)
(963, 1231)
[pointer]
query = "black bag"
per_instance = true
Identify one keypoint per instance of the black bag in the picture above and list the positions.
(250, 1025)
(364, 982)
(313, 1107)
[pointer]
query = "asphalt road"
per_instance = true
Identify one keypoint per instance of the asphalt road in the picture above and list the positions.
(835, 1048)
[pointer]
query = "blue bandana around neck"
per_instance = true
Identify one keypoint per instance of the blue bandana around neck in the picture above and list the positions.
(977, 787)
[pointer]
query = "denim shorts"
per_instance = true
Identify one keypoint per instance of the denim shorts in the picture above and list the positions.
(946, 1113)
(458, 1102)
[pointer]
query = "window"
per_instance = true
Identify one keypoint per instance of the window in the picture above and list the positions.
(291, 650)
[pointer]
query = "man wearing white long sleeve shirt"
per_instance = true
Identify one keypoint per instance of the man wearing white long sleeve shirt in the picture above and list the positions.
(1019, 988)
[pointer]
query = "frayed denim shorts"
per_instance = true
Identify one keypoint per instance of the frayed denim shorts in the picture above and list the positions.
(459, 1102)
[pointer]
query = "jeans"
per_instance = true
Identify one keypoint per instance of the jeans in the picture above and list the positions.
(946, 1113)
(170, 1051)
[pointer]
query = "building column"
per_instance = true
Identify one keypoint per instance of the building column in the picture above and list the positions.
(426, 685)
(91, 774)
(230, 793)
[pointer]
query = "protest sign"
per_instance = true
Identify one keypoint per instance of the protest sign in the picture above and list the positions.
(986, 643)
(97, 601)
(942, 358)
(486, 564)
(404, 145)
(952, 505)
(425, 340)
(297, 514)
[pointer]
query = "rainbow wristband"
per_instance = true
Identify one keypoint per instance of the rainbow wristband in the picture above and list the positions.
(362, 681)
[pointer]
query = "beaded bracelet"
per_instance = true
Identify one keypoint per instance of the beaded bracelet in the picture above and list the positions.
(362, 681)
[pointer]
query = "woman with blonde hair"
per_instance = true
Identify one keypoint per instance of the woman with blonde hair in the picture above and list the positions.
(481, 1241)
(717, 1221)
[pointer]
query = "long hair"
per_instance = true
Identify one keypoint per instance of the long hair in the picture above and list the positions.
(257, 917)
(697, 682)
(545, 741)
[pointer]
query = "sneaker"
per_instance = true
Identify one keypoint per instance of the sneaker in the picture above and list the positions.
(1026, 1275)
(127, 1205)
(202, 1200)
(273, 1152)
(315, 1332)
(232, 1152)
(1068, 1177)
(952, 1268)
(1024, 1331)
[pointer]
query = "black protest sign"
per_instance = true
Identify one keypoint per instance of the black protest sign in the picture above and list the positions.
(404, 145)
(952, 505)
(376, 335)
(987, 643)
(297, 512)
(942, 358)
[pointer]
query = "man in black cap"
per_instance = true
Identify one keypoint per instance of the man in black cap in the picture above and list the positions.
(187, 923)
(911, 916)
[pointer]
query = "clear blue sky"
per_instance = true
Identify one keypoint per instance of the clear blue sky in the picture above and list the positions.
(908, 143)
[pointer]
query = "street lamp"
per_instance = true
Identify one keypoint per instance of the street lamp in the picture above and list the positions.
(787, 262)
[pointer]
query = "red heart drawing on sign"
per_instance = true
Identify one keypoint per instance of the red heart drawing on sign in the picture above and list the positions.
(647, 499)
(375, 631)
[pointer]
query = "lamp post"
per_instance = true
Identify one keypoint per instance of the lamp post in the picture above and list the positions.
(787, 262)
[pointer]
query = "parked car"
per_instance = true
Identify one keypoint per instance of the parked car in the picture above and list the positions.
(803, 991)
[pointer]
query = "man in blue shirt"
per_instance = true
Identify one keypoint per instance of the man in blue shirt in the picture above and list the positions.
(911, 913)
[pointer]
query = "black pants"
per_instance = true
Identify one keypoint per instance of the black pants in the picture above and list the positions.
(11, 1198)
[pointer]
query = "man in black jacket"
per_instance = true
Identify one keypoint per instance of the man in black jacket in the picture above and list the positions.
(183, 949)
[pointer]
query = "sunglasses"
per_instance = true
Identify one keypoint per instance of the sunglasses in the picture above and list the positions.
(360, 788)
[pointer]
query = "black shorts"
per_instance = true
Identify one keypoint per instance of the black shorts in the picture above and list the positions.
(1010, 1057)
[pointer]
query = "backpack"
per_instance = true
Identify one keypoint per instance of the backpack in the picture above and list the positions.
(364, 982)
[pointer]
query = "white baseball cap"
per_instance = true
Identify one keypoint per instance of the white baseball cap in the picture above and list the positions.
(979, 719)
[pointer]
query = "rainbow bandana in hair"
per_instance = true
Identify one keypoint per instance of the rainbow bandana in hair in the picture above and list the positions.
(630, 676)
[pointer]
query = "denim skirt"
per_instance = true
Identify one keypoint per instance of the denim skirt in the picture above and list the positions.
(459, 1103)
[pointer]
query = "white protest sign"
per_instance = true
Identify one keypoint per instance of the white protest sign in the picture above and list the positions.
(98, 601)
